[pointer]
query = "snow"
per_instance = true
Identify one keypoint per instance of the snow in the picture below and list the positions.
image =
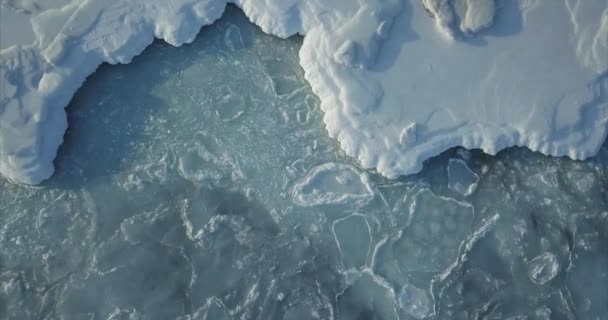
(396, 85)
(188, 212)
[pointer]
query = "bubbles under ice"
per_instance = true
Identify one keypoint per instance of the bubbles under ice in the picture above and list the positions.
(353, 239)
(199, 183)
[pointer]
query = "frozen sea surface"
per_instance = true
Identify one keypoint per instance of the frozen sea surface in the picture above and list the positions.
(199, 183)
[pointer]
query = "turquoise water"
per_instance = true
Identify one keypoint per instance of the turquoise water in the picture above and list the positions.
(199, 183)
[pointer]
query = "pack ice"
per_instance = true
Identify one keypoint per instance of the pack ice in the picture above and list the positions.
(399, 81)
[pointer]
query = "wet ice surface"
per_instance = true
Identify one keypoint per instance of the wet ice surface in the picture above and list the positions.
(199, 183)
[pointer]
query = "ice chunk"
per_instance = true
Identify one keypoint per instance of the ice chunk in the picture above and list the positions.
(461, 178)
(353, 238)
(543, 268)
(333, 183)
(365, 298)
(416, 302)
(193, 165)
(197, 212)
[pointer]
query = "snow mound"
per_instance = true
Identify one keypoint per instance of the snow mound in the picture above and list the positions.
(474, 15)
(395, 90)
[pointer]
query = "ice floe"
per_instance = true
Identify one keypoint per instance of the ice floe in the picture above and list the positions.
(333, 183)
(461, 178)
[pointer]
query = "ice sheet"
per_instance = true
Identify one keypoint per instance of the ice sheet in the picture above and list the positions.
(195, 208)
(399, 81)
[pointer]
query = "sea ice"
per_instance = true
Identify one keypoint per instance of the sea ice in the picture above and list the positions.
(416, 302)
(187, 214)
(461, 178)
(353, 239)
(433, 234)
(333, 183)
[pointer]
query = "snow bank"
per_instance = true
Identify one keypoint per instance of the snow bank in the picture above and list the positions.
(395, 90)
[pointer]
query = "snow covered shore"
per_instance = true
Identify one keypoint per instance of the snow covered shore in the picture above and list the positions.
(399, 81)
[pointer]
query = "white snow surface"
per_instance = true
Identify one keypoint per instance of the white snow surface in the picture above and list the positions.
(399, 80)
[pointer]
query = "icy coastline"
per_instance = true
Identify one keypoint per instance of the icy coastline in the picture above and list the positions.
(199, 182)
(399, 81)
